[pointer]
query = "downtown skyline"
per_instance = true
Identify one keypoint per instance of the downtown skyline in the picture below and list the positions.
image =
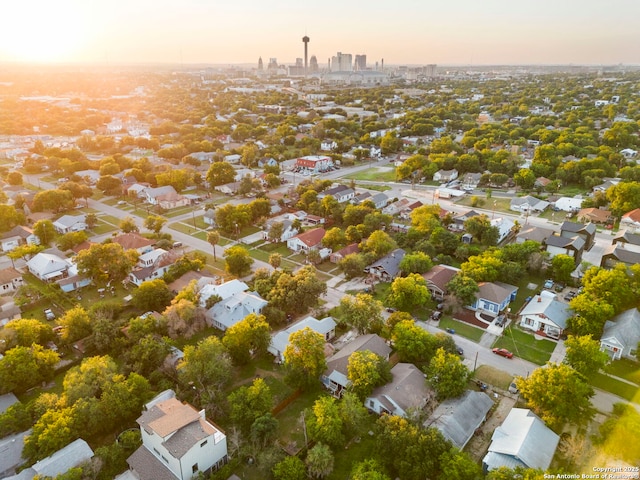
(459, 32)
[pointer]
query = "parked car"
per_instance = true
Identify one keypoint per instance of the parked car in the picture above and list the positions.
(570, 295)
(513, 388)
(437, 315)
(49, 315)
(559, 287)
(501, 320)
(548, 284)
(503, 352)
(451, 331)
(459, 350)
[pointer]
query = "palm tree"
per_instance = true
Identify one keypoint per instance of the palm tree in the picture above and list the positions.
(213, 238)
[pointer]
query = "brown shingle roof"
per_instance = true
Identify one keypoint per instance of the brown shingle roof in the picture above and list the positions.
(311, 238)
(9, 274)
(132, 240)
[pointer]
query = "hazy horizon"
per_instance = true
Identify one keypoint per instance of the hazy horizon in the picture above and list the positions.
(411, 32)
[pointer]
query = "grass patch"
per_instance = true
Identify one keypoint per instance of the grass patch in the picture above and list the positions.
(178, 211)
(463, 329)
(625, 368)
(525, 346)
(326, 266)
(377, 188)
(346, 458)
(103, 227)
(524, 292)
(612, 385)
(378, 174)
(290, 428)
(492, 376)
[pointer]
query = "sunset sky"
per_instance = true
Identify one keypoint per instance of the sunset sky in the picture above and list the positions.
(477, 32)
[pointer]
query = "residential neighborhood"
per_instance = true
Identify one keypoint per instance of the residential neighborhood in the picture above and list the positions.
(211, 273)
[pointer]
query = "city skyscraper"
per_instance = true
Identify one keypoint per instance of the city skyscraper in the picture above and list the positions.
(361, 62)
(313, 64)
(305, 40)
(342, 62)
(260, 66)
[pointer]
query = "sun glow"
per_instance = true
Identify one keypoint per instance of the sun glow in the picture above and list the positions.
(43, 30)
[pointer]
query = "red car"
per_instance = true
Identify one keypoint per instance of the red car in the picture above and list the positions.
(503, 352)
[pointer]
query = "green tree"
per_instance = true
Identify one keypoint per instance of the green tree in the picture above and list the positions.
(264, 430)
(291, 468)
(612, 286)
(275, 232)
(23, 367)
(71, 239)
(590, 315)
(354, 415)
(334, 238)
(24, 332)
(78, 190)
(238, 261)
(368, 469)
(128, 225)
(417, 262)
(619, 435)
(483, 268)
(25, 251)
(45, 231)
(517, 473)
(366, 371)
(249, 336)
(151, 295)
(325, 423)
(352, 265)
(14, 178)
(106, 262)
(547, 389)
(10, 218)
(463, 288)
(154, 223)
(584, 354)
(624, 197)
(207, 367)
(213, 237)
(482, 230)
(319, 461)
(250, 403)
(298, 292)
(220, 173)
(275, 260)
(447, 374)
(524, 178)
(148, 354)
(459, 465)
(379, 244)
(408, 293)
(304, 358)
(53, 201)
(561, 268)
(413, 344)
(362, 312)
(109, 184)
(75, 324)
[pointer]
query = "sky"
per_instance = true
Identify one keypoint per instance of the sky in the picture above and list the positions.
(402, 32)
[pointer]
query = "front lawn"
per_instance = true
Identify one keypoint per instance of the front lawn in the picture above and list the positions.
(378, 174)
(461, 328)
(492, 376)
(617, 387)
(526, 346)
(625, 368)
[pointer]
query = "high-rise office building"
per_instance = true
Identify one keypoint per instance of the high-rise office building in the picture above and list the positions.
(260, 66)
(361, 62)
(313, 64)
(342, 62)
(430, 70)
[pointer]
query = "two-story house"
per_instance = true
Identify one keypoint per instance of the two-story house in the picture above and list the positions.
(178, 442)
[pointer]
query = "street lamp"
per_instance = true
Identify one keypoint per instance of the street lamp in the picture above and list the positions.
(237, 234)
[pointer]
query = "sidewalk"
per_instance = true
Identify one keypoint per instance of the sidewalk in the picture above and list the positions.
(558, 353)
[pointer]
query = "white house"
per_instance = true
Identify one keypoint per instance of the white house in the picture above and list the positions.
(523, 440)
(328, 145)
(621, 335)
(545, 314)
(444, 176)
(47, 266)
(178, 442)
(528, 204)
(341, 193)
(151, 194)
(10, 280)
(631, 220)
(406, 393)
(309, 240)
(287, 229)
(235, 304)
(569, 204)
(279, 341)
(18, 236)
(151, 265)
(504, 226)
(70, 223)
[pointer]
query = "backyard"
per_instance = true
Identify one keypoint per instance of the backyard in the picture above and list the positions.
(526, 346)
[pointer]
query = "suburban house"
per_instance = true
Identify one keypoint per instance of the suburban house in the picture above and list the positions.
(528, 204)
(388, 267)
(396, 207)
(341, 193)
(458, 220)
(631, 220)
(545, 315)
(625, 248)
(437, 279)
(335, 377)
(59, 463)
(568, 204)
(151, 194)
(361, 197)
(152, 265)
(504, 226)
(335, 257)
(209, 217)
(279, 341)
(493, 297)
(313, 164)
(328, 145)
(541, 182)
(287, 229)
(228, 188)
(444, 176)
(178, 442)
(305, 241)
(18, 236)
(595, 215)
(70, 223)
(405, 213)
(621, 335)
(47, 266)
(522, 440)
(406, 394)
(470, 181)
(10, 280)
(134, 241)
(536, 234)
(379, 200)
(586, 231)
(571, 246)
(11, 460)
(171, 200)
(459, 418)
(235, 304)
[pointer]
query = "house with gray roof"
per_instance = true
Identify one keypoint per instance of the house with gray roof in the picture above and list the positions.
(388, 267)
(536, 234)
(178, 442)
(528, 204)
(625, 248)
(11, 458)
(565, 245)
(545, 315)
(493, 297)
(229, 311)
(280, 340)
(523, 440)
(407, 393)
(335, 376)
(621, 335)
(47, 266)
(586, 231)
(18, 236)
(459, 418)
(71, 456)
(70, 223)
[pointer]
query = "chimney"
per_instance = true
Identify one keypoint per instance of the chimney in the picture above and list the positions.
(539, 299)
